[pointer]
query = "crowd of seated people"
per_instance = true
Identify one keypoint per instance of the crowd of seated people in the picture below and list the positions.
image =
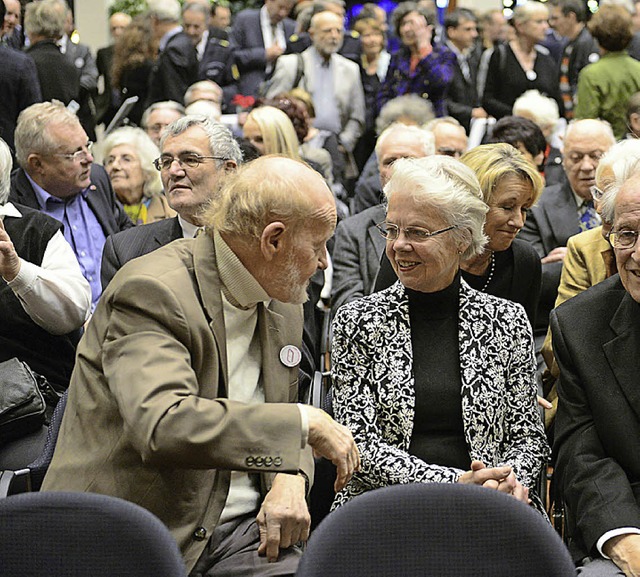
(485, 257)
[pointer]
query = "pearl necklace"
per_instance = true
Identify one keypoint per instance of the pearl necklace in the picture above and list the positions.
(492, 268)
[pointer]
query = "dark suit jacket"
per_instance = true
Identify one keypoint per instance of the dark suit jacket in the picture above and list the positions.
(248, 49)
(596, 339)
(549, 225)
(217, 65)
(59, 78)
(105, 106)
(175, 70)
(356, 256)
(462, 96)
(101, 199)
(19, 88)
(584, 46)
(121, 247)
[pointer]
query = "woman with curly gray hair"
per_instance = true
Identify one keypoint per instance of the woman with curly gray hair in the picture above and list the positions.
(436, 380)
(127, 155)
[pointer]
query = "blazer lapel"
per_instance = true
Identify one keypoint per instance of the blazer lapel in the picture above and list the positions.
(272, 340)
(623, 351)
(165, 235)
(209, 287)
(563, 214)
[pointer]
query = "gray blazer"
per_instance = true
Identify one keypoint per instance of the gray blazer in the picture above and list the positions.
(349, 95)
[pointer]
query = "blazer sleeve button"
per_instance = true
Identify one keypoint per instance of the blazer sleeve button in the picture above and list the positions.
(200, 534)
(249, 461)
(277, 461)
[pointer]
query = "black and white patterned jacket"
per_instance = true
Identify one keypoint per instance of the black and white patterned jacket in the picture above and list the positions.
(374, 389)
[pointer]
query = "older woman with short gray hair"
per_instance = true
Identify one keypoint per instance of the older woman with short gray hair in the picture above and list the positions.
(127, 155)
(436, 380)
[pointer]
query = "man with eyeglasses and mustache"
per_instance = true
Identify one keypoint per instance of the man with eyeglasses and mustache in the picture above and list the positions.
(565, 209)
(197, 155)
(57, 176)
(596, 340)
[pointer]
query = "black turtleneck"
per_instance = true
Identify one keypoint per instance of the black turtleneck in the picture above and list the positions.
(438, 435)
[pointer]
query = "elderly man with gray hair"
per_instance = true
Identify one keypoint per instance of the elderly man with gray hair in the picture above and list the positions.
(596, 339)
(186, 384)
(197, 155)
(44, 298)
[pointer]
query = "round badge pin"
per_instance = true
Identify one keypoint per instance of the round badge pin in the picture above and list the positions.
(531, 75)
(290, 356)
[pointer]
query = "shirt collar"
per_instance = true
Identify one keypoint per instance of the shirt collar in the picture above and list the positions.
(188, 230)
(239, 286)
(8, 209)
(459, 53)
(43, 196)
(319, 59)
(168, 36)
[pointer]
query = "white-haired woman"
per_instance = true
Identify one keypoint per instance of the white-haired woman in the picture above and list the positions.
(127, 155)
(545, 113)
(521, 64)
(435, 379)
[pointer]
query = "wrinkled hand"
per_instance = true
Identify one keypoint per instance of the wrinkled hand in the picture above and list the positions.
(624, 551)
(283, 519)
(9, 259)
(480, 474)
(556, 255)
(479, 113)
(335, 442)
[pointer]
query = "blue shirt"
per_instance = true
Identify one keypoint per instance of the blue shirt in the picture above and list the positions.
(81, 229)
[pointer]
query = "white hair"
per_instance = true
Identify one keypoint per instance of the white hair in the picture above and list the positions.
(621, 162)
(448, 187)
(541, 109)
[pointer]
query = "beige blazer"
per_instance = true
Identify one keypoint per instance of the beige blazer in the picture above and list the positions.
(147, 419)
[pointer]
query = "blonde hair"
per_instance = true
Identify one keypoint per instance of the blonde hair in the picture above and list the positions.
(278, 134)
(492, 162)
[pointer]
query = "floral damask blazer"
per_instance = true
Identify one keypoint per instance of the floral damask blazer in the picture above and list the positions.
(373, 389)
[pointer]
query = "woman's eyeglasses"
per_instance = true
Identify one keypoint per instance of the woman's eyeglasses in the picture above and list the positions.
(411, 233)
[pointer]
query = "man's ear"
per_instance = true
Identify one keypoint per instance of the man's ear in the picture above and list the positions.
(34, 163)
(271, 239)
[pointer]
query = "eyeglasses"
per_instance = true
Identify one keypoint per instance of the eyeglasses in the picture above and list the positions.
(596, 193)
(578, 157)
(190, 159)
(78, 155)
(412, 233)
(623, 239)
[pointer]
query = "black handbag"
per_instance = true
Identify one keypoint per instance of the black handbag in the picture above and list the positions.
(22, 403)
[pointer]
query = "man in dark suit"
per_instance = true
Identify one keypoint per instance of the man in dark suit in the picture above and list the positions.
(463, 101)
(19, 86)
(106, 105)
(569, 19)
(177, 65)
(596, 340)
(58, 177)
(565, 209)
(258, 38)
(188, 190)
(359, 245)
(58, 76)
